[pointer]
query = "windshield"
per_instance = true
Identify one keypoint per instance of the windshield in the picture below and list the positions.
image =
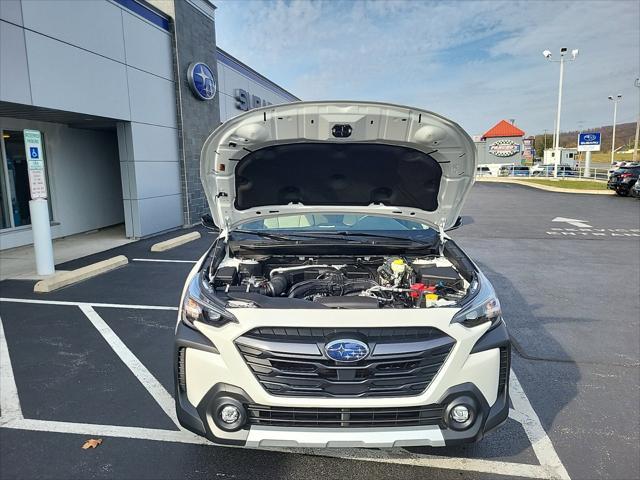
(319, 222)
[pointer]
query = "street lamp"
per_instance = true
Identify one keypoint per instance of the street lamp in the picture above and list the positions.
(556, 142)
(615, 101)
(635, 143)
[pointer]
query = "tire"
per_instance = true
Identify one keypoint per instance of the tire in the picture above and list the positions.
(623, 192)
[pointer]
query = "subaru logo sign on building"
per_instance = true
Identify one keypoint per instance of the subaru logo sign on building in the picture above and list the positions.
(346, 350)
(202, 81)
(504, 148)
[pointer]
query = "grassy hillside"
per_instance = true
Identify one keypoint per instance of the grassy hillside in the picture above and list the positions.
(625, 133)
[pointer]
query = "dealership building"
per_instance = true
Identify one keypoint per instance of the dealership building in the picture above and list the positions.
(123, 94)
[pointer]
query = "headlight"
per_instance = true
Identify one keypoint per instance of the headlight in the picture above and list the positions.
(198, 306)
(483, 307)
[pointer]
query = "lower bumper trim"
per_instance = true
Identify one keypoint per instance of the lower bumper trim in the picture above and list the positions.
(337, 438)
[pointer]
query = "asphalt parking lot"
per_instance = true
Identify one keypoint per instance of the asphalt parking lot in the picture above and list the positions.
(94, 360)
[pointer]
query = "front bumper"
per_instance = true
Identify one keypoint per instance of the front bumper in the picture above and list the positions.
(491, 410)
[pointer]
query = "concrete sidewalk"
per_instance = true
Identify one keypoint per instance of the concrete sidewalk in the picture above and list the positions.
(19, 263)
(548, 188)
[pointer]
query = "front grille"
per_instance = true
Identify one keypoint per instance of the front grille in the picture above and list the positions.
(504, 369)
(403, 362)
(382, 334)
(344, 417)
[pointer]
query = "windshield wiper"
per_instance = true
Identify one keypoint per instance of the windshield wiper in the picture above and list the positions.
(342, 235)
(287, 236)
(376, 235)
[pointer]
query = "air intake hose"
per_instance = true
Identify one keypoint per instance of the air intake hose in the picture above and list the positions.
(276, 286)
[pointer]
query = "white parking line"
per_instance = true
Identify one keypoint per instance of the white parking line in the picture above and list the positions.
(153, 386)
(160, 260)
(77, 304)
(95, 430)
(550, 466)
(397, 456)
(9, 400)
(539, 439)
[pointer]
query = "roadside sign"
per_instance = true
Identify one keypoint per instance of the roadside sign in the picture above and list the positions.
(35, 163)
(589, 142)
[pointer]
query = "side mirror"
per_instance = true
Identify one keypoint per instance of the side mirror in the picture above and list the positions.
(207, 222)
(458, 224)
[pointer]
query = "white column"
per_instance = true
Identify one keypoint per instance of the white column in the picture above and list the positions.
(556, 146)
(42, 243)
(587, 164)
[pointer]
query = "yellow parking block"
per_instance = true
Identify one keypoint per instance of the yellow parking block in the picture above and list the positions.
(62, 279)
(175, 242)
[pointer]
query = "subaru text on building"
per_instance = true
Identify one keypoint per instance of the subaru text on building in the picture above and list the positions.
(333, 310)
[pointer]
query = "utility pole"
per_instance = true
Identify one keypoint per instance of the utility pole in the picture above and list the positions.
(635, 143)
(615, 101)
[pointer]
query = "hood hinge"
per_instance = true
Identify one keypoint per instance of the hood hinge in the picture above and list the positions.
(442, 236)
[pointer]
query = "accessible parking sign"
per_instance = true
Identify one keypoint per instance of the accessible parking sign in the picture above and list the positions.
(35, 164)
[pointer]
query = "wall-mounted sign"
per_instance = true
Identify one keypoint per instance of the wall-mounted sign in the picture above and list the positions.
(504, 148)
(35, 163)
(589, 142)
(202, 81)
(245, 101)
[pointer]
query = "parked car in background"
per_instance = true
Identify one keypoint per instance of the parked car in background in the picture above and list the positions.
(623, 179)
(616, 165)
(483, 172)
(547, 171)
(635, 190)
(513, 171)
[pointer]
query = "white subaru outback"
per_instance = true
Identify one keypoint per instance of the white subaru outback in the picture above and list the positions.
(333, 310)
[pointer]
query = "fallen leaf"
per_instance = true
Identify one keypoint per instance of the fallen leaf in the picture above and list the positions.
(92, 443)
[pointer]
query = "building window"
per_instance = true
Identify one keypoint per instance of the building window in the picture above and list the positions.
(14, 182)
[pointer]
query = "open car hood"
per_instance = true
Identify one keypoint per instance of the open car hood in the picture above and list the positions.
(338, 157)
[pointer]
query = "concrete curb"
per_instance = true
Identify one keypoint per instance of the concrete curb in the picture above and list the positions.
(63, 279)
(175, 242)
(545, 187)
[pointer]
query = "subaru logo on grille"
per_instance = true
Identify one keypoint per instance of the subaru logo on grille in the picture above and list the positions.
(346, 350)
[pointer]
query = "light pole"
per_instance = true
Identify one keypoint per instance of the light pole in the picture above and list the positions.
(615, 101)
(635, 143)
(556, 142)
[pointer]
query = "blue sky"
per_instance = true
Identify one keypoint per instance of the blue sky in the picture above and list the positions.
(476, 62)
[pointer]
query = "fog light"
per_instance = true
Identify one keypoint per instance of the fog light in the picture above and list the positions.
(460, 414)
(229, 414)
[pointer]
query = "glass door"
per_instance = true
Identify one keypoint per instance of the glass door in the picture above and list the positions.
(17, 177)
(6, 220)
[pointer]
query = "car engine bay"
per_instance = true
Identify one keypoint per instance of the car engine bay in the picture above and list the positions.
(340, 282)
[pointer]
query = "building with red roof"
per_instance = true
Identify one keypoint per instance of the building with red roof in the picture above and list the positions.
(503, 129)
(502, 144)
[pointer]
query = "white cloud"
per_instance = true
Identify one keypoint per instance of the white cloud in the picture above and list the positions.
(475, 61)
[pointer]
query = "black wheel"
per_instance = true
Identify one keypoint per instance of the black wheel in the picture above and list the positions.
(623, 192)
